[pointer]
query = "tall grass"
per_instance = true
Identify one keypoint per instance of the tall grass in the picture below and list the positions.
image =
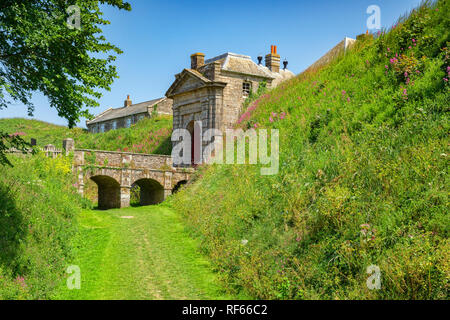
(37, 208)
(363, 177)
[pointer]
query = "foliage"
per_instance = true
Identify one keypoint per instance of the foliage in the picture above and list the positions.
(149, 256)
(37, 206)
(363, 177)
(39, 52)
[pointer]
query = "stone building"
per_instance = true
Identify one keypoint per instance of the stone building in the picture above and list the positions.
(213, 91)
(128, 115)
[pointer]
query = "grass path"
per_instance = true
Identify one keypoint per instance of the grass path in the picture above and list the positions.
(147, 257)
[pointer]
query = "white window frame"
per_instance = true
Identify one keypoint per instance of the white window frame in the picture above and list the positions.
(128, 122)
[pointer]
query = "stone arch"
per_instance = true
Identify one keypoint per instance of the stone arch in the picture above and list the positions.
(151, 191)
(178, 186)
(108, 192)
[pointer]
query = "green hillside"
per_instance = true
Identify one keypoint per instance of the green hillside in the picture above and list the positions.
(363, 177)
(147, 136)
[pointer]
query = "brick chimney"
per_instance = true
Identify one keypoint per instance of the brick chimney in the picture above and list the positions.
(197, 60)
(127, 102)
(273, 60)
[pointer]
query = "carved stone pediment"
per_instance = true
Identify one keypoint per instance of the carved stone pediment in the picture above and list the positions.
(187, 80)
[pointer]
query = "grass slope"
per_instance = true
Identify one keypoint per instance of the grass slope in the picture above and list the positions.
(363, 177)
(147, 257)
(147, 136)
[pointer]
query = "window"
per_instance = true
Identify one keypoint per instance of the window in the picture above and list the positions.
(114, 125)
(128, 123)
(102, 127)
(246, 88)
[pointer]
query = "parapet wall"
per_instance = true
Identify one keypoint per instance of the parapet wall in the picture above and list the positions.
(334, 53)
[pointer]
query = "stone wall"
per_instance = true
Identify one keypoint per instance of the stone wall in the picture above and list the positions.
(119, 122)
(334, 53)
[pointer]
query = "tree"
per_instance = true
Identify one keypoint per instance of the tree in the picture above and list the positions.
(55, 47)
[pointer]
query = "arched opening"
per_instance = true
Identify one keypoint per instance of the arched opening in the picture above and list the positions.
(178, 186)
(150, 191)
(108, 192)
(194, 128)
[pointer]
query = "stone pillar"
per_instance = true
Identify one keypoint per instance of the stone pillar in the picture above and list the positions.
(68, 145)
(125, 196)
(80, 182)
(167, 192)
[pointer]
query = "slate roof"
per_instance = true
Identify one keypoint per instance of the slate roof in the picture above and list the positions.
(243, 64)
(137, 108)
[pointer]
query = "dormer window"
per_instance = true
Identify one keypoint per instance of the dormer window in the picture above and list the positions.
(246, 88)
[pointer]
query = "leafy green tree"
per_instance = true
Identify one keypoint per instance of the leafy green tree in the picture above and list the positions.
(55, 47)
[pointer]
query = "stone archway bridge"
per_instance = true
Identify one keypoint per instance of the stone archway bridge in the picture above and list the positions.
(116, 172)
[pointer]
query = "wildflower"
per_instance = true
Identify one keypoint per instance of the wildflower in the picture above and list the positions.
(270, 119)
(389, 49)
(405, 92)
(386, 66)
(256, 126)
(413, 40)
(274, 115)
(445, 79)
(244, 242)
(344, 92)
(282, 115)
(409, 47)
(348, 99)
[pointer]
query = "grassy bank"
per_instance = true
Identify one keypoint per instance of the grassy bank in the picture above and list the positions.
(363, 177)
(147, 136)
(37, 208)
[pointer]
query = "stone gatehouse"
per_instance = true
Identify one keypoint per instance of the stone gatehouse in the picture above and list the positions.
(213, 91)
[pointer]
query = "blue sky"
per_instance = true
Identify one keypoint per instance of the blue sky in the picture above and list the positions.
(158, 37)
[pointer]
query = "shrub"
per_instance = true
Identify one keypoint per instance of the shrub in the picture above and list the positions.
(37, 207)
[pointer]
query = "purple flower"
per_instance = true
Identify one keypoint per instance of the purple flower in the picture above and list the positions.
(270, 119)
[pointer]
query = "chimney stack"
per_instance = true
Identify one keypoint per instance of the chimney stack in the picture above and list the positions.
(127, 102)
(273, 60)
(197, 60)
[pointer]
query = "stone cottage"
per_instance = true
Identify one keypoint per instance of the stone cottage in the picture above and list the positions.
(128, 115)
(213, 91)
